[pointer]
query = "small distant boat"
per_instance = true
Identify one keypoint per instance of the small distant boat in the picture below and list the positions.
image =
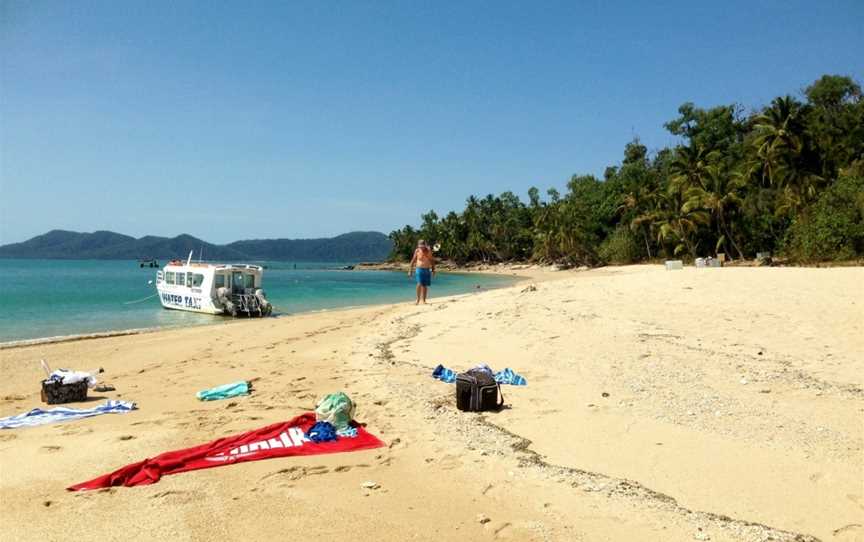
(212, 288)
(148, 262)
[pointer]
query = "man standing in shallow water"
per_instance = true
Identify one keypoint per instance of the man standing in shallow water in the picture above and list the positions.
(424, 261)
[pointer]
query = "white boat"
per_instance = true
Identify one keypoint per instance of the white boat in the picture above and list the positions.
(212, 288)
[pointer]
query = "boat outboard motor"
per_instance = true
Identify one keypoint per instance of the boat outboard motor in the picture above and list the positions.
(223, 295)
(266, 307)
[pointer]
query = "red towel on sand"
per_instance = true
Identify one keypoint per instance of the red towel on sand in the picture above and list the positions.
(277, 440)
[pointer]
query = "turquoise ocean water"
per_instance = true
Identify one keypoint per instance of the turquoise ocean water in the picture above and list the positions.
(47, 298)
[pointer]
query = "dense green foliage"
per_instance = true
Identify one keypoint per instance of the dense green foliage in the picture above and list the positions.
(785, 179)
(106, 245)
(833, 228)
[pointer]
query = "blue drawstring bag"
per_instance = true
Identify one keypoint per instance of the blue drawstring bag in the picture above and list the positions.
(322, 432)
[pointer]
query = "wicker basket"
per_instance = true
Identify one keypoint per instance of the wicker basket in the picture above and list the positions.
(55, 393)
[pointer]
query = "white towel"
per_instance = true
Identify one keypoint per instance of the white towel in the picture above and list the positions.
(67, 376)
(37, 416)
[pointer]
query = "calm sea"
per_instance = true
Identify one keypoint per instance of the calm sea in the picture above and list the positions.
(47, 298)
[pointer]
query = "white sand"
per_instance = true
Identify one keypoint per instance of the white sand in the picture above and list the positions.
(735, 406)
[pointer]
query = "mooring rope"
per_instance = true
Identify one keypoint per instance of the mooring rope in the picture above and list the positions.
(140, 300)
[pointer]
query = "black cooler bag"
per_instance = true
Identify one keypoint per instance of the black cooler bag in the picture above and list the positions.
(477, 391)
(55, 393)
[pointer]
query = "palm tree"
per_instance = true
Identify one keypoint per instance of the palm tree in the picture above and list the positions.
(640, 204)
(677, 218)
(690, 164)
(718, 193)
(778, 139)
(781, 147)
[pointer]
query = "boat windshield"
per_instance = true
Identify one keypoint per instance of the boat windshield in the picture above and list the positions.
(242, 281)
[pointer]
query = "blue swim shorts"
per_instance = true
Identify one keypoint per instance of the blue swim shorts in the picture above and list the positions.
(424, 276)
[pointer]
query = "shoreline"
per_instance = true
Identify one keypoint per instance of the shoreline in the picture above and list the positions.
(520, 273)
(224, 320)
(81, 337)
(477, 267)
(506, 267)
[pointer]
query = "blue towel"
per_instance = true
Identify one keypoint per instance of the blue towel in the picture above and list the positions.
(322, 432)
(225, 391)
(37, 416)
(509, 376)
(504, 376)
(444, 374)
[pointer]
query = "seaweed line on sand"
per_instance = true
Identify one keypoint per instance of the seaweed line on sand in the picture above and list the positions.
(610, 486)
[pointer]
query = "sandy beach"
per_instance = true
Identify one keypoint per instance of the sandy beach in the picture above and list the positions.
(711, 404)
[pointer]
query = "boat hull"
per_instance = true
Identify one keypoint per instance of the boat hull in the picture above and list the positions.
(186, 301)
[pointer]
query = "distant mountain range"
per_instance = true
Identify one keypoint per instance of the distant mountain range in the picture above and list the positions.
(107, 245)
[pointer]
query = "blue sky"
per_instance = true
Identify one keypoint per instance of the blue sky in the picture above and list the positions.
(233, 120)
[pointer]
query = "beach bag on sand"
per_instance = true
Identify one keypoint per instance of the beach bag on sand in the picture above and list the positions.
(56, 393)
(336, 408)
(476, 391)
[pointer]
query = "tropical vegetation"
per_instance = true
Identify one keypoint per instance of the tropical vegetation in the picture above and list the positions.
(786, 179)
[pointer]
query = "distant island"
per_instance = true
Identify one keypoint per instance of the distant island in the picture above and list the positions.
(108, 245)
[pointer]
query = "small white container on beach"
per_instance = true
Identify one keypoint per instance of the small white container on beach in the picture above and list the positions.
(700, 262)
(674, 264)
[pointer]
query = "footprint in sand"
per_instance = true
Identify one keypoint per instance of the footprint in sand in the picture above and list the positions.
(499, 530)
(8, 437)
(69, 432)
(296, 473)
(177, 496)
(449, 462)
(385, 462)
(148, 422)
(125, 437)
(51, 448)
(851, 527)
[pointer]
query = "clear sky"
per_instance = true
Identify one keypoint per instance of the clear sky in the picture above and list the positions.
(234, 120)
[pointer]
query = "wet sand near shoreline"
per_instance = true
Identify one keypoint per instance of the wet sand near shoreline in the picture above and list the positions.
(721, 404)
